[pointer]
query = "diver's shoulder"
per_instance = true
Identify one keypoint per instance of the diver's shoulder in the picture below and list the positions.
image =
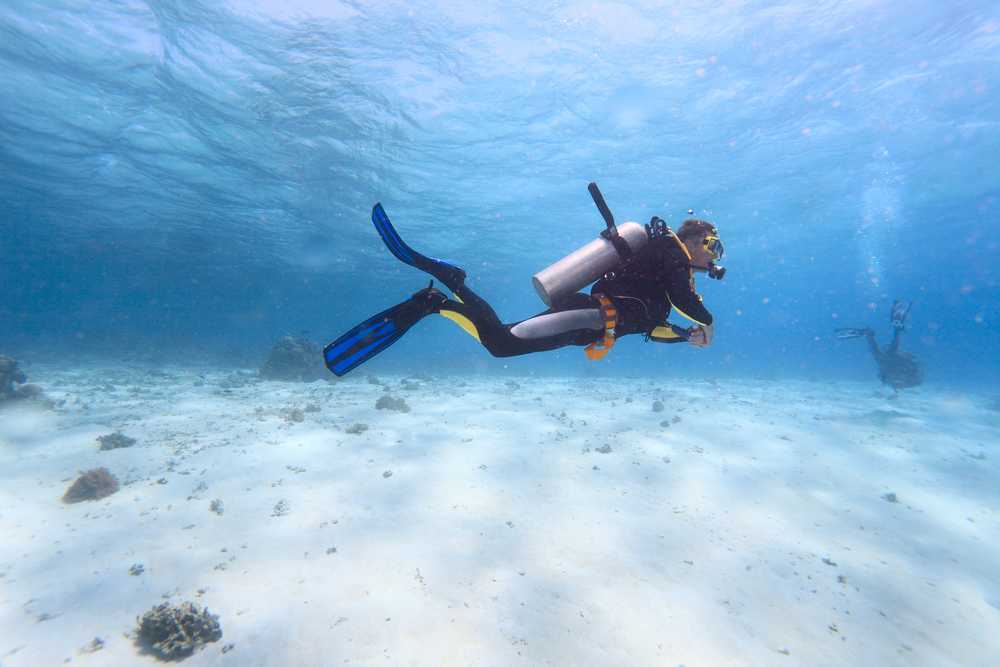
(668, 243)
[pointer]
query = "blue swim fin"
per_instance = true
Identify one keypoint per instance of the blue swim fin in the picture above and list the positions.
(380, 331)
(452, 276)
(899, 313)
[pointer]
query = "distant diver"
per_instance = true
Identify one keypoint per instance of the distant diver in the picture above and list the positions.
(641, 273)
(899, 370)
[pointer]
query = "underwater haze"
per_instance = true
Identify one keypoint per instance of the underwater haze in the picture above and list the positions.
(185, 176)
(186, 192)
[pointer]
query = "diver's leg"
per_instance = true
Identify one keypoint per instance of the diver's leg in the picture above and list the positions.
(898, 314)
(478, 309)
(578, 324)
(873, 344)
(847, 334)
(450, 275)
(894, 345)
(378, 332)
(897, 317)
(547, 331)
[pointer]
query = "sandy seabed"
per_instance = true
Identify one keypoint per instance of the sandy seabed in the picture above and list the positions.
(504, 521)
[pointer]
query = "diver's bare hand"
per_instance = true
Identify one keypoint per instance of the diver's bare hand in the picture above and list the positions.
(700, 336)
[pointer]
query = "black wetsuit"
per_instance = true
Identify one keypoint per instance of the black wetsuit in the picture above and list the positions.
(659, 277)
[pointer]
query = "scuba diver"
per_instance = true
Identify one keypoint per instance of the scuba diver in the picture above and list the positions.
(899, 370)
(642, 272)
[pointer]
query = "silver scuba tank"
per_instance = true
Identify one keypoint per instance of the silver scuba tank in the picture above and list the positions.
(585, 265)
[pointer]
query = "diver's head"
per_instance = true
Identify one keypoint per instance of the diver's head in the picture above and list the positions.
(701, 238)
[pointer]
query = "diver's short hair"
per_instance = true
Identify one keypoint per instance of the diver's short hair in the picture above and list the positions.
(692, 227)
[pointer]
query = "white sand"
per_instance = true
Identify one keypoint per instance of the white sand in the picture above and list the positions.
(502, 537)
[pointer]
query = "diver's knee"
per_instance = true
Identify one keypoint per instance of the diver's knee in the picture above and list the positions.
(496, 348)
(497, 351)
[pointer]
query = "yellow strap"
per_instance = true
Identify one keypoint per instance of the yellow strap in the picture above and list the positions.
(681, 244)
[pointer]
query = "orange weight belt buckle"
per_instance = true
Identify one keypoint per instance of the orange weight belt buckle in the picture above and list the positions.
(599, 349)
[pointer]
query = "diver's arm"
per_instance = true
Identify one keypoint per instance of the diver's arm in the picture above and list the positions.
(685, 300)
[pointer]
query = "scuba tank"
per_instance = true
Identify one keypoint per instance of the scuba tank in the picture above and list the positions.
(615, 245)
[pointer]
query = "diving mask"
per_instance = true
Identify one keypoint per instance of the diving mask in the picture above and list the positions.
(713, 244)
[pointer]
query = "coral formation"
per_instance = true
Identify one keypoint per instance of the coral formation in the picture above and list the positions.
(93, 646)
(390, 403)
(91, 485)
(281, 508)
(357, 429)
(173, 632)
(115, 440)
(12, 382)
(236, 380)
(294, 358)
(10, 375)
(30, 391)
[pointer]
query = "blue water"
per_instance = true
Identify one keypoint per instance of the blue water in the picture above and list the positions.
(189, 179)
